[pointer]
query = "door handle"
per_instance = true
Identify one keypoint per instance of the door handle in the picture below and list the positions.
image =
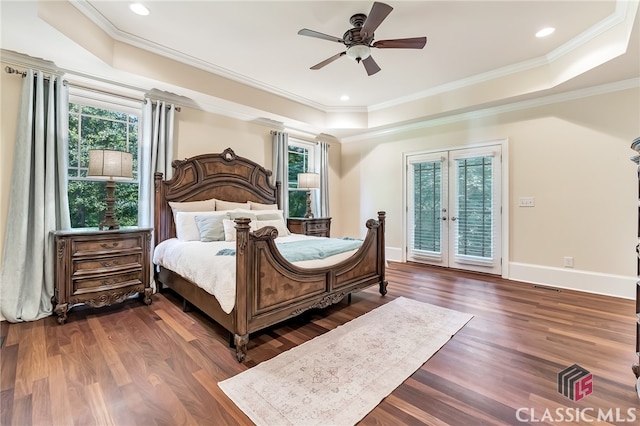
(454, 218)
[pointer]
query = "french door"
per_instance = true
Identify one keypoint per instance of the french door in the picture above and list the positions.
(454, 208)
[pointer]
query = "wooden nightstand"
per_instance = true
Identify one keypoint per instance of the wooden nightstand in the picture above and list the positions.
(100, 268)
(316, 226)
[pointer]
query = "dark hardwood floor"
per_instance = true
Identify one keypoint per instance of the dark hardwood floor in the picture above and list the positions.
(133, 364)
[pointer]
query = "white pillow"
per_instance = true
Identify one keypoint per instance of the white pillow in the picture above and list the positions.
(268, 214)
(277, 223)
(260, 206)
(230, 205)
(236, 213)
(193, 206)
(230, 229)
(186, 227)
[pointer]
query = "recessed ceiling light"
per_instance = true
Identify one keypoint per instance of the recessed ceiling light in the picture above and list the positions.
(545, 32)
(139, 9)
(344, 97)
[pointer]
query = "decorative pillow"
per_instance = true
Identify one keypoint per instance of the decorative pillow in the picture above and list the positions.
(269, 214)
(230, 205)
(277, 223)
(193, 206)
(260, 206)
(210, 227)
(234, 214)
(186, 228)
(229, 226)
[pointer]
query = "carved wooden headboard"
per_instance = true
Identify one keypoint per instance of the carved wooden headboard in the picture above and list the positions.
(223, 176)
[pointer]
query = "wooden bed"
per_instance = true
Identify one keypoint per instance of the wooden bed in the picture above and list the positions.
(269, 289)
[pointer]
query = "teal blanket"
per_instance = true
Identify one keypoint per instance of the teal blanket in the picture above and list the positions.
(321, 248)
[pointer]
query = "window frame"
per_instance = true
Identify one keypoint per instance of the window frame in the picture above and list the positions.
(113, 103)
(310, 147)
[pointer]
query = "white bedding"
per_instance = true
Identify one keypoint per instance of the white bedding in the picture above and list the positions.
(198, 262)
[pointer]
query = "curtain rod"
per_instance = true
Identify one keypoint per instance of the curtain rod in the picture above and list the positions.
(129, 98)
(11, 70)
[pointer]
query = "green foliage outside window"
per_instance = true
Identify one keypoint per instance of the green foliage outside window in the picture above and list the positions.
(298, 163)
(97, 128)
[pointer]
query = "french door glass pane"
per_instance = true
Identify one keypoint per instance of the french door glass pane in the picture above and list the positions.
(475, 207)
(427, 207)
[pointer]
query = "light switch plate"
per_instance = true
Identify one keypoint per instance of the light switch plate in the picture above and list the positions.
(526, 202)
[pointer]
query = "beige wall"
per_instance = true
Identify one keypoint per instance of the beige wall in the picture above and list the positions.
(573, 157)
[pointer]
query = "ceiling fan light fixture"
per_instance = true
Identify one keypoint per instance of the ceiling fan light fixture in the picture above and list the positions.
(359, 52)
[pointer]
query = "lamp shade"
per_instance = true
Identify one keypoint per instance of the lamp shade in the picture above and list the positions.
(110, 164)
(308, 180)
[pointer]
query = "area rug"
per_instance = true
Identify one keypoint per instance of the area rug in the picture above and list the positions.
(338, 377)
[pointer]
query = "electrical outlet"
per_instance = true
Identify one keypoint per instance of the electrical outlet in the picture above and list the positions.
(568, 262)
(526, 202)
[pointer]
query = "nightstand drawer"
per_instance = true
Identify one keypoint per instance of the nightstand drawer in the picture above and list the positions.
(106, 245)
(106, 264)
(104, 283)
(315, 226)
(319, 226)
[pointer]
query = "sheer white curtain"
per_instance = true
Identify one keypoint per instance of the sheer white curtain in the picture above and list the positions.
(281, 166)
(38, 202)
(155, 154)
(322, 167)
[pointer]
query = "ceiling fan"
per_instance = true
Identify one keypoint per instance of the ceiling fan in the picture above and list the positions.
(359, 39)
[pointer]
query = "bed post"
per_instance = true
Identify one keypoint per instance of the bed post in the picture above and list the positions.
(244, 253)
(382, 262)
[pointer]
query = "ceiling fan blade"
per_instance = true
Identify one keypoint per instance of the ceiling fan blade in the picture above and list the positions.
(328, 61)
(401, 43)
(370, 65)
(316, 34)
(379, 12)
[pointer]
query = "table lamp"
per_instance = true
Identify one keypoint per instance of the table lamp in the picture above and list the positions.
(308, 181)
(110, 165)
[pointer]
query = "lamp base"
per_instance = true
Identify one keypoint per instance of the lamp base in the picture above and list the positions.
(110, 222)
(109, 225)
(309, 213)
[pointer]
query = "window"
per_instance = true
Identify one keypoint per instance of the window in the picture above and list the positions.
(300, 161)
(100, 127)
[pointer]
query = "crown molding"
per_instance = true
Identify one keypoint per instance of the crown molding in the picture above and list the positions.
(623, 8)
(25, 61)
(127, 38)
(622, 11)
(633, 83)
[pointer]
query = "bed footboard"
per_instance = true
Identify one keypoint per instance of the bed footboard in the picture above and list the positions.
(269, 289)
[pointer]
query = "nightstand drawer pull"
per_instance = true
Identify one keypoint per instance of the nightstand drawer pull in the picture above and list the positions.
(111, 245)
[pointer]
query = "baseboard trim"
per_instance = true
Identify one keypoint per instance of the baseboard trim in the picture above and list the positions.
(562, 278)
(572, 279)
(393, 254)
